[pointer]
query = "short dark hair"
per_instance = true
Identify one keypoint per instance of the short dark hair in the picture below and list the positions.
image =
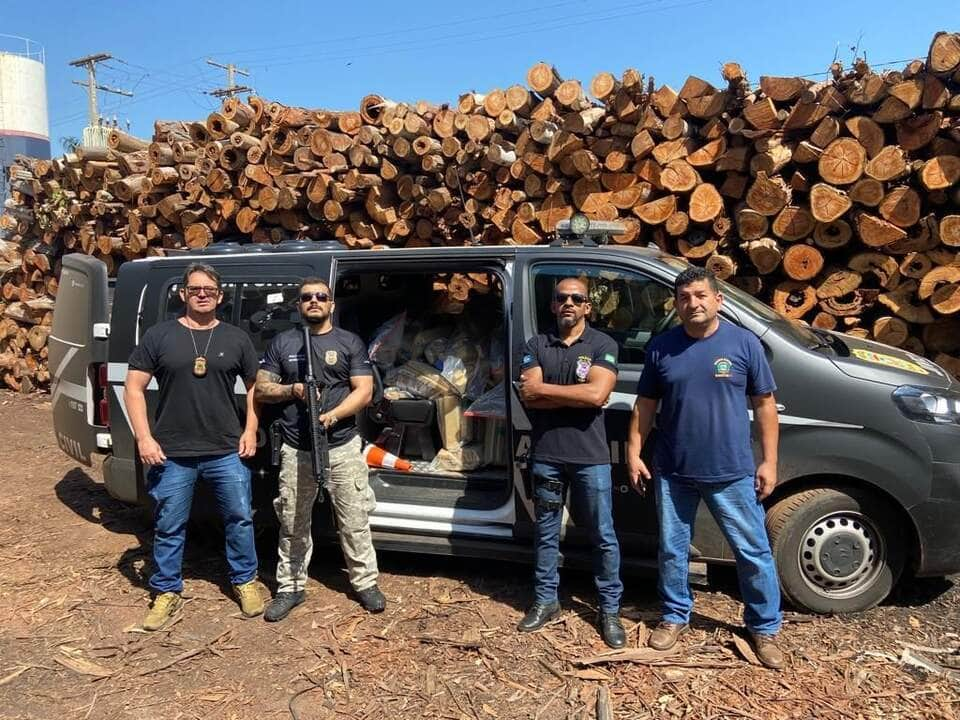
(201, 268)
(695, 274)
(316, 281)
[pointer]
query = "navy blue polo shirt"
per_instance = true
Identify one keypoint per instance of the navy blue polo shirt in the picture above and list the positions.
(703, 386)
(569, 434)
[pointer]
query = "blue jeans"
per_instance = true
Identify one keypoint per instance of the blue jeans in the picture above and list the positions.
(740, 515)
(171, 487)
(591, 503)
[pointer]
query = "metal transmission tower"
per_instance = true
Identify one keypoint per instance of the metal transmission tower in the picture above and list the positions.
(231, 89)
(90, 63)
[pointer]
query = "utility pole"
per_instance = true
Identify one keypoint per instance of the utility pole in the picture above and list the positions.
(90, 63)
(231, 89)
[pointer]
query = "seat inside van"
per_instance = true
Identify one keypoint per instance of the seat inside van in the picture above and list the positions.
(439, 404)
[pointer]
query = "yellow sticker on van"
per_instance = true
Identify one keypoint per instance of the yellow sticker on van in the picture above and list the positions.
(889, 360)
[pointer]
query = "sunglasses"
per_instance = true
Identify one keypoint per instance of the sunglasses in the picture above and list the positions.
(319, 296)
(577, 298)
(194, 290)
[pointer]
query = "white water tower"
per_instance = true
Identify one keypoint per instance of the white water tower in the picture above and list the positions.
(24, 128)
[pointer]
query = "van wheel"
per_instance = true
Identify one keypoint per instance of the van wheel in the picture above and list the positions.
(836, 551)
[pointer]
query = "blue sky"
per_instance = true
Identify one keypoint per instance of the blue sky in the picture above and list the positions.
(331, 54)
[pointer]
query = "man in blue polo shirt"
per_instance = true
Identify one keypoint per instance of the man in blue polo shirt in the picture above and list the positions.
(702, 373)
(566, 377)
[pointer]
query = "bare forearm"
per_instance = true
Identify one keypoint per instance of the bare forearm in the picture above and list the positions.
(543, 404)
(136, 404)
(268, 389)
(641, 421)
(353, 403)
(253, 412)
(769, 425)
(584, 395)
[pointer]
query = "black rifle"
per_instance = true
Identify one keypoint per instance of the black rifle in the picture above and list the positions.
(316, 398)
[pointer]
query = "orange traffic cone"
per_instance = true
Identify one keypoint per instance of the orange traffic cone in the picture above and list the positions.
(378, 457)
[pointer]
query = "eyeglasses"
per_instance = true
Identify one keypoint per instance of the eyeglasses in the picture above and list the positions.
(577, 298)
(195, 290)
(320, 297)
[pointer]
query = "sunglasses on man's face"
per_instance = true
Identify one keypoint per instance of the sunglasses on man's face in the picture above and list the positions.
(577, 298)
(320, 297)
(195, 290)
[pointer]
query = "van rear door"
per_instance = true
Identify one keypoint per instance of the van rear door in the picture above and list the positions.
(78, 347)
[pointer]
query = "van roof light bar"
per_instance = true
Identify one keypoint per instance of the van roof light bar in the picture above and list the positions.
(581, 230)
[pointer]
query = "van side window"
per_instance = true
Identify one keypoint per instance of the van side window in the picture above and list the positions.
(173, 306)
(629, 307)
(267, 309)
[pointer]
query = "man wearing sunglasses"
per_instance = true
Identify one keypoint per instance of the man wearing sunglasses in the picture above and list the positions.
(341, 365)
(198, 432)
(567, 375)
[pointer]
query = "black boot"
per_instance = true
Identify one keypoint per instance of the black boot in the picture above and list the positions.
(372, 599)
(538, 615)
(611, 629)
(282, 604)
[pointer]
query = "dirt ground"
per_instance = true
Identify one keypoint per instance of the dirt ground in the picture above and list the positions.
(73, 591)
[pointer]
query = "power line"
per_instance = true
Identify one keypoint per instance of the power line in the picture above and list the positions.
(458, 39)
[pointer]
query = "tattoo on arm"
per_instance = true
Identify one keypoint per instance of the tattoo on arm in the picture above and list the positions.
(268, 388)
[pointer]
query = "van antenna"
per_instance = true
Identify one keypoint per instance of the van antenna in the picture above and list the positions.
(463, 204)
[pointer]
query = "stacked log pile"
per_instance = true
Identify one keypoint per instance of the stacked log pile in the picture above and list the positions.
(836, 201)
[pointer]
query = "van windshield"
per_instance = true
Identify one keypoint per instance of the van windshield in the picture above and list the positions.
(793, 329)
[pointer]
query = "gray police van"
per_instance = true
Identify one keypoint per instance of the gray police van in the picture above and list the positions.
(869, 473)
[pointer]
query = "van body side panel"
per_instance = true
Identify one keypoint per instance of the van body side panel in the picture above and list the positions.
(75, 347)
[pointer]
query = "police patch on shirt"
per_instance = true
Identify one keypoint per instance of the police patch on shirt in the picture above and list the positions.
(528, 358)
(330, 357)
(583, 367)
(722, 368)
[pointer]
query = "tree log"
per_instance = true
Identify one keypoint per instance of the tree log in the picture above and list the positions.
(940, 172)
(768, 196)
(794, 299)
(793, 223)
(842, 161)
(950, 230)
(875, 232)
(657, 211)
(802, 262)
(888, 164)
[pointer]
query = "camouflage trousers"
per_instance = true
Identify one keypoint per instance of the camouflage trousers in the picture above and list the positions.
(352, 499)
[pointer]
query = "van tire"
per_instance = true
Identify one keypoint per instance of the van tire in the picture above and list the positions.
(836, 551)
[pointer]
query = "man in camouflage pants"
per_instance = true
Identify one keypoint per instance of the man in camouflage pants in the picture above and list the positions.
(342, 366)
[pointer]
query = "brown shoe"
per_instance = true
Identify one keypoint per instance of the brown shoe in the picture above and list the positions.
(666, 634)
(767, 651)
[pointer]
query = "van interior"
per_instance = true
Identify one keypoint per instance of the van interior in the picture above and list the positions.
(439, 403)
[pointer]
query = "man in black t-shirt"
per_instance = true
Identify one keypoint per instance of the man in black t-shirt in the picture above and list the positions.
(341, 365)
(197, 432)
(566, 377)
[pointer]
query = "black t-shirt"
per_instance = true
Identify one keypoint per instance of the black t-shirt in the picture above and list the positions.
(337, 356)
(197, 416)
(569, 434)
